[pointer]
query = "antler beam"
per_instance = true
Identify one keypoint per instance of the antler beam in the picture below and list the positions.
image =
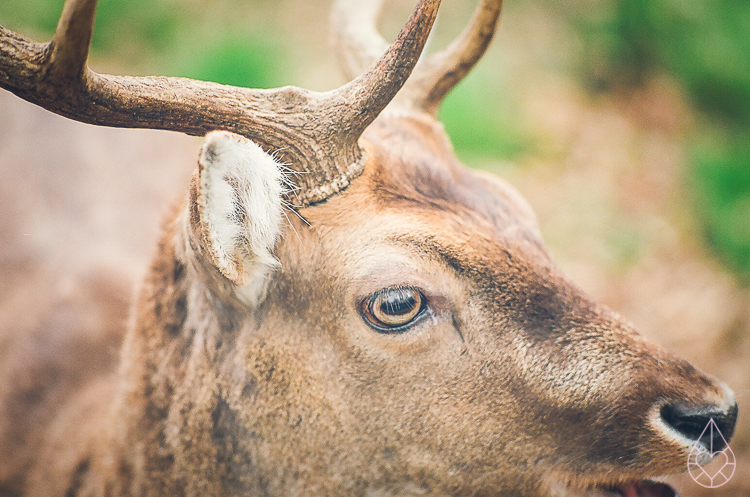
(314, 132)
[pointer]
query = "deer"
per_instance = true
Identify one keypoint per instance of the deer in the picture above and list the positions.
(340, 307)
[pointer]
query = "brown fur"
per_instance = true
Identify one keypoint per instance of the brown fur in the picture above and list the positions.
(518, 379)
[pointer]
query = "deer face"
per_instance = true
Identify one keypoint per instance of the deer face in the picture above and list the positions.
(411, 336)
(417, 338)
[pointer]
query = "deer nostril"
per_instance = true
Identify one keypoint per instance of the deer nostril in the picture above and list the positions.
(691, 421)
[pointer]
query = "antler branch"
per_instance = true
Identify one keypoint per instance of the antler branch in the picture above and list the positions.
(355, 36)
(314, 132)
(358, 43)
(70, 45)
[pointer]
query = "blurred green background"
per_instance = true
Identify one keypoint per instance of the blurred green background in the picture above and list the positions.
(703, 44)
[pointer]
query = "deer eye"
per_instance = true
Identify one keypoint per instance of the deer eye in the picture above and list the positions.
(393, 310)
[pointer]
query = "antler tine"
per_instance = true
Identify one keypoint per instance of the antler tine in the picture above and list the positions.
(386, 77)
(357, 41)
(314, 132)
(70, 45)
(439, 73)
(355, 35)
(354, 106)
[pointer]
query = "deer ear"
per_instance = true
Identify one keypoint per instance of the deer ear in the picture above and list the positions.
(236, 207)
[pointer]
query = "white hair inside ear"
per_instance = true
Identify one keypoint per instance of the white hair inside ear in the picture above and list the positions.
(239, 205)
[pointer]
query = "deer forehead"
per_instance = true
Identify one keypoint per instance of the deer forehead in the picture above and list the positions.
(411, 164)
(414, 190)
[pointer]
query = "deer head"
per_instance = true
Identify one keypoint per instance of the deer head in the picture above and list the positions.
(342, 308)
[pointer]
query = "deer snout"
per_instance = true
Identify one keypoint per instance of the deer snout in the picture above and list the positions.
(692, 421)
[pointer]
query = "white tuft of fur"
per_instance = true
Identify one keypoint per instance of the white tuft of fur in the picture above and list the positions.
(240, 204)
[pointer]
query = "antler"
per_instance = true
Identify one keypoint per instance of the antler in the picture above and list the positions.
(314, 132)
(356, 38)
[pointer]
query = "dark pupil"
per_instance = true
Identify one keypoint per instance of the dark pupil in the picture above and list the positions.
(398, 302)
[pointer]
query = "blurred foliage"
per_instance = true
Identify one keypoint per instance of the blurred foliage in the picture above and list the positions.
(160, 36)
(42, 14)
(236, 59)
(481, 120)
(704, 42)
(706, 45)
(721, 177)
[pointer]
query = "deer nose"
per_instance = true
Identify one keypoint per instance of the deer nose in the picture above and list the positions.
(692, 421)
